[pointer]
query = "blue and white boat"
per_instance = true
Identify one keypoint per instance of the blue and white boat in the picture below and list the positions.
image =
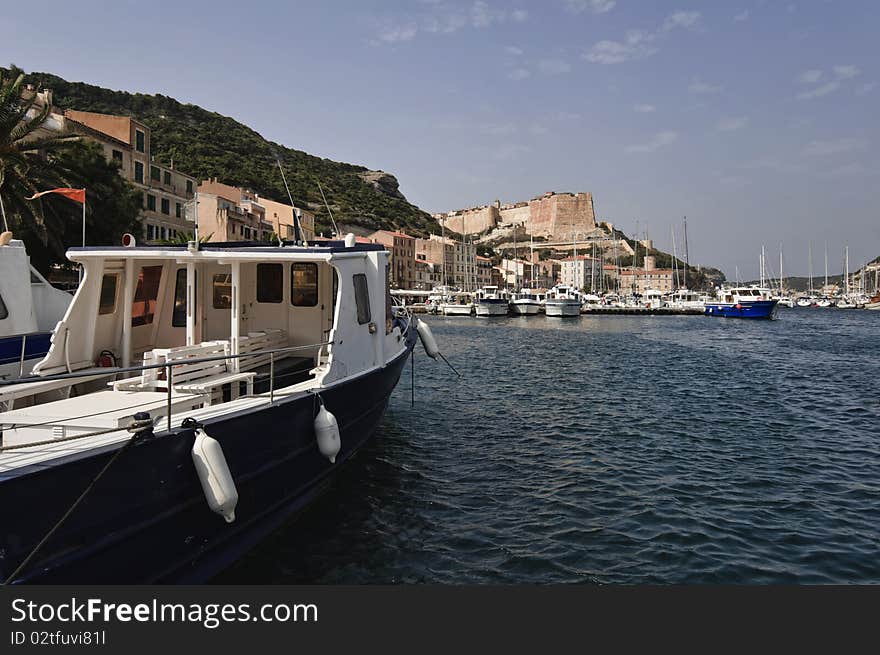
(30, 308)
(742, 302)
(249, 374)
(492, 301)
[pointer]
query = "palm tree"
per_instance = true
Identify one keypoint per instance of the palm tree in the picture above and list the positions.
(28, 155)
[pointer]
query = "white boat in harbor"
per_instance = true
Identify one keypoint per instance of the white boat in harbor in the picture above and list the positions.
(527, 302)
(686, 299)
(653, 299)
(563, 300)
(257, 370)
(460, 303)
(491, 301)
(30, 308)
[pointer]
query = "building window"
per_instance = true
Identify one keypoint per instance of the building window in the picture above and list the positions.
(117, 155)
(166, 177)
(154, 173)
(144, 306)
(189, 186)
(361, 298)
(303, 284)
(163, 232)
(151, 232)
(270, 282)
(139, 140)
(166, 206)
(247, 233)
(107, 303)
(139, 172)
(223, 291)
(151, 202)
(178, 209)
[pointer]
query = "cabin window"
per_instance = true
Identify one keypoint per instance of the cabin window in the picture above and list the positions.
(178, 314)
(144, 306)
(362, 298)
(270, 282)
(223, 291)
(107, 304)
(3, 311)
(303, 284)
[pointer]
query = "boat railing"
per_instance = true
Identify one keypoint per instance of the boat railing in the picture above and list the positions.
(24, 337)
(168, 366)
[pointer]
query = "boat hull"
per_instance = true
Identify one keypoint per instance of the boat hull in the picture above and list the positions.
(563, 308)
(35, 348)
(458, 310)
(529, 308)
(147, 520)
(492, 307)
(755, 309)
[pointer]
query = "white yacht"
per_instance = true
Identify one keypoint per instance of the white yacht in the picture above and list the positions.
(527, 302)
(492, 301)
(653, 299)
(686, 299)
(29, 309)
(563, 300)
(459, 303)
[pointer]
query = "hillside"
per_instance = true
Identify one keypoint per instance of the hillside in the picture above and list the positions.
(207, 144)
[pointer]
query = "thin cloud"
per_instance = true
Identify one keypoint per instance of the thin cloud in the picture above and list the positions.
(509, 151)
(519, 15)
(846, 72)
(498, 129)
(810, 77)
(391, 34)
(595, 6)
(819, 91)
(699, 87)
(513, 51)
(659, 140)
(554, 66)
(644, 109)
(683, 19)
(834, 147)
(732, 124)
(742, 16)
(519, 74)
(865, 89)
(638, 44)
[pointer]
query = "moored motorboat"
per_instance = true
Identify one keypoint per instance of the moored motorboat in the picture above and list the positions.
(742, 302)
(563, 300)
(460, 303)
(269, 366)
(526, 302)
(491, 301)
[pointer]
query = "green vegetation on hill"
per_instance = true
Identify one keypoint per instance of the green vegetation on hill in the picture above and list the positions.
(207, 144)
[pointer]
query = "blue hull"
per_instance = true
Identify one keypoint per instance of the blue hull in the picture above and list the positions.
(36, 347)
(765, 309)
(147, 520)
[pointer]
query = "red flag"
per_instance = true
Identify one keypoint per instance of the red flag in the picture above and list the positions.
(77, 195)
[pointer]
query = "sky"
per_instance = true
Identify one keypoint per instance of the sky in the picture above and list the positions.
(758, 120)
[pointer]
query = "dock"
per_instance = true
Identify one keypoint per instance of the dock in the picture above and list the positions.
(643, 311)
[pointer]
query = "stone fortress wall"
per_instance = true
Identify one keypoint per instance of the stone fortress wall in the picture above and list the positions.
(552, 216)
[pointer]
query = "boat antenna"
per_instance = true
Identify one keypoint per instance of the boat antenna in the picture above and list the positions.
(323, 197)
(297, 232)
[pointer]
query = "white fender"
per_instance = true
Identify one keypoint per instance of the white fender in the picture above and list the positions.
(428, 340)
(213, 472)
(327, 434)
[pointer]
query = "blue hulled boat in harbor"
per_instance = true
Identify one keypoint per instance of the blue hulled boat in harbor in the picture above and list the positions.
(742, 302)
(248, 375)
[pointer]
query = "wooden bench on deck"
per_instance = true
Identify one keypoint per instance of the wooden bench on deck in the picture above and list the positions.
(197, 377)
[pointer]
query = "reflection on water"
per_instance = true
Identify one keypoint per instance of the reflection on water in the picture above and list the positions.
(612, 449)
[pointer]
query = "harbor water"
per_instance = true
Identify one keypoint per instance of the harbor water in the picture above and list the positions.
(611, 449)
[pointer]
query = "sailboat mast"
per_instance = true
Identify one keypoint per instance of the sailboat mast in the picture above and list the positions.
(810, 247)
(687, 261)
(780, 270)
(674, 257)
(826, 265)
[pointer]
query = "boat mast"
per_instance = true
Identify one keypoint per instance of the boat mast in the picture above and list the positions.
(687, 261)
(810, 247)
(781, 292)
(826, 267)
(443, 249)
(674, 258)
(846, 270)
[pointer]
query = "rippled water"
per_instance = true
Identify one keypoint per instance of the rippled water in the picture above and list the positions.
(612, 449)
